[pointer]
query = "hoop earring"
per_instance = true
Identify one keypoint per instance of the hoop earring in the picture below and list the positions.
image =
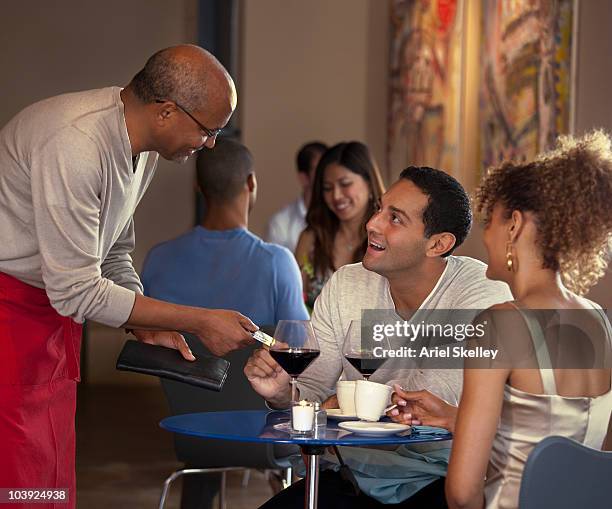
(510, 264)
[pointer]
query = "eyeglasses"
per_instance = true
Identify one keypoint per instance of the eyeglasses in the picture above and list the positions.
(211, 133)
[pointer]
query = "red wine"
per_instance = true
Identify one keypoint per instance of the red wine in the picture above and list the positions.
(366, 366)
(294, 360)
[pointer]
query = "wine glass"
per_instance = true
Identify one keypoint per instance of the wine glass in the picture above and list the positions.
(359, 351)
(295, 347)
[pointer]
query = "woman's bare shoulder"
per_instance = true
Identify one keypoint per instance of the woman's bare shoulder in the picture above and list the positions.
(305, 245)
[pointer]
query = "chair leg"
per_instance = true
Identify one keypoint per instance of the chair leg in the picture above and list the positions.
(288, 477)
(246, 476)
(173, 476)
(187, 471)
(223, 490)
(162, 500)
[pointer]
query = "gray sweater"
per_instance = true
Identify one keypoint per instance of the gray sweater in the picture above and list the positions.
(352, 288)
(68, 192)
(392, 476)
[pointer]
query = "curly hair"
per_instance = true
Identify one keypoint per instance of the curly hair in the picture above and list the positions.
(569, 190)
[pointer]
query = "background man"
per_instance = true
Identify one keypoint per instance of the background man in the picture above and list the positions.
(72, 171)
(220, 262)
(407, 267)
(285, 226)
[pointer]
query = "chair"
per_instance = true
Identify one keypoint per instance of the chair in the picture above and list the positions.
(564, 474)
(220, 456)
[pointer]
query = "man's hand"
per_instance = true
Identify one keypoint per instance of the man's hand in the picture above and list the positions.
(422, 407)
(331, 402)
(223, 331)
(220, 330)
(168, 339)
(268, 379)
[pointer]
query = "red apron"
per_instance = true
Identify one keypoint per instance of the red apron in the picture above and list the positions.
(39, 369)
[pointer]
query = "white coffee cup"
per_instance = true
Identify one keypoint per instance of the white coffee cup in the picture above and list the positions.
(345, 391)
(371, 399)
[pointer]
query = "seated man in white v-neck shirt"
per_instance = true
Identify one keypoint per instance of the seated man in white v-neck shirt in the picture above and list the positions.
(408, 265)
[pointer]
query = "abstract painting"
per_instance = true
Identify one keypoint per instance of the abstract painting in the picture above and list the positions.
(525, 77)
(425, 84)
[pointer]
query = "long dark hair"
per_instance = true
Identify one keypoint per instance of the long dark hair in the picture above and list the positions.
(356, 157)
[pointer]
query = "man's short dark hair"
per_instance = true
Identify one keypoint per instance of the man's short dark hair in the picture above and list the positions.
(307, 153)
(223, 170)
(448, 208)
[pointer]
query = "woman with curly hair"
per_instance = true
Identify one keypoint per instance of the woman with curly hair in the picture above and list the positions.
(347, 187)
(548, 232)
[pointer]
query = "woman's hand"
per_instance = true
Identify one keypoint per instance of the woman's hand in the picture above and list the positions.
(422, 407)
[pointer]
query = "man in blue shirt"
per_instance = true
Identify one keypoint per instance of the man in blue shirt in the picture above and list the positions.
(220, 264)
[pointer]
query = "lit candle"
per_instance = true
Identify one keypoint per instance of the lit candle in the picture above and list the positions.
(302, 416)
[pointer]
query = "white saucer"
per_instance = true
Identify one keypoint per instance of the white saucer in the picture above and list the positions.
(337, 415)
(374, 429)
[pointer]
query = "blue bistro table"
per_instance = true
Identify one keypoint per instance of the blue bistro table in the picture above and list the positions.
(258, 426)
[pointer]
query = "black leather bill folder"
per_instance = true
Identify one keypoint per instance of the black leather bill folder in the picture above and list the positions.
(206, 371)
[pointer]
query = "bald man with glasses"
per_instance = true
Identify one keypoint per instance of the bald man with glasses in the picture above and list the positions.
(73, 168)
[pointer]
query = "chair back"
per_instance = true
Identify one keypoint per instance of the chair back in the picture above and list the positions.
(564, 474)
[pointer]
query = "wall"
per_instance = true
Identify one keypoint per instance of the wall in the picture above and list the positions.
(310, 70)
(49, 48)
(53, 47)
(594, 82)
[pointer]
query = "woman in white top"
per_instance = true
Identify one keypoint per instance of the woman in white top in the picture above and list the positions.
(548, 232)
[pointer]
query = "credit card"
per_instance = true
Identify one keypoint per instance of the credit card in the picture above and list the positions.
(263, 338)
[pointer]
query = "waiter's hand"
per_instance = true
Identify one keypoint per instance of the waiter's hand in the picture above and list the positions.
(168, 339)
(219, 329)
(223, 331)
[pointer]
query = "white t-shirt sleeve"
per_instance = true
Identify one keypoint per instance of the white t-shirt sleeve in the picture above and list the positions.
(276, 233)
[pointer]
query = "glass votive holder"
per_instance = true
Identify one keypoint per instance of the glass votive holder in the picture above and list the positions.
(320, 416)
(302, 416)
(320, 421)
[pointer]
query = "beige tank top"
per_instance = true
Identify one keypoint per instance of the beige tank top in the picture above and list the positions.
(527, 418)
